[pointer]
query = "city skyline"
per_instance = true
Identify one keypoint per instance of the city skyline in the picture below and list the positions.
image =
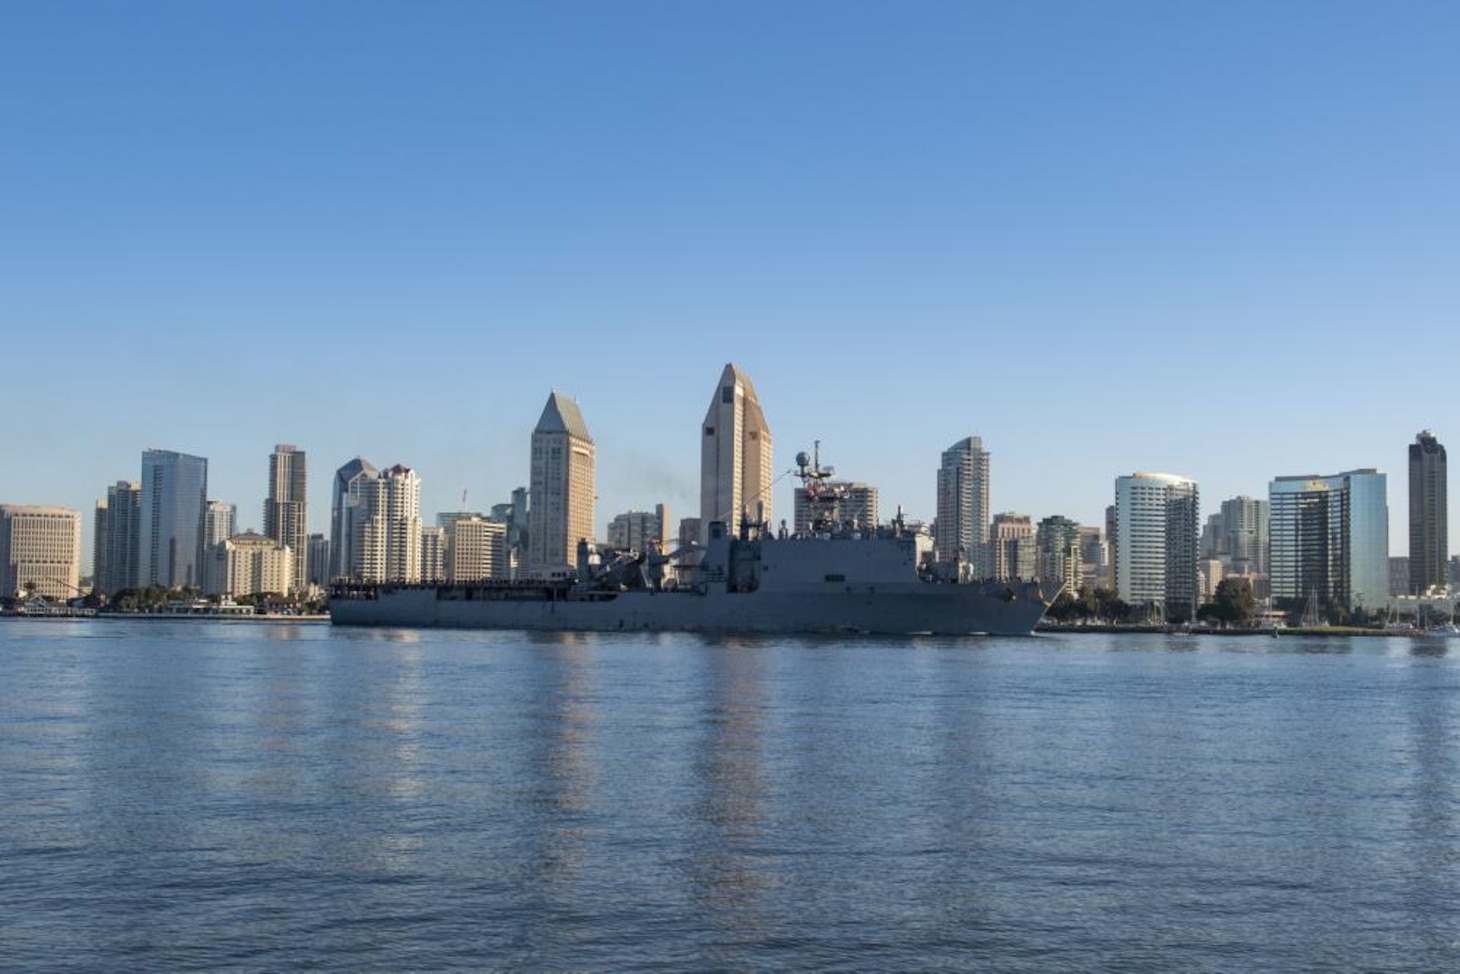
(896, 220)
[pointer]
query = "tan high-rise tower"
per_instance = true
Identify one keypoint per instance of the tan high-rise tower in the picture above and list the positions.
(735, 456)
(562, 488)
(285, 509)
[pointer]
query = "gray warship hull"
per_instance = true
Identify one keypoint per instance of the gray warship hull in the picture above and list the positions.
(834, 584)
(941, 609)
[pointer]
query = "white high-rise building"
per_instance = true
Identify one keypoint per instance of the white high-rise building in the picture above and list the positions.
(562, 486)
(476, 549)
(963, 506)
(347, 501)
(40, 551)
(1157, 537)
(433, 554)
(736, 461)
(387, 525)
(286, 517)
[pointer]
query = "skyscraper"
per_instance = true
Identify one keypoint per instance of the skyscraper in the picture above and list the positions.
(1012, 545)
(1156, 541)
(387, 526)
(562, 488)
(174, 494)
(220, 522)
(345, 508)
(1330, 539)
(963, 505)
(285, 508)
(40, 551)
(1244, 526)
(318, 561)
(735, 456)
(118, 533)
(1058, 546)
(1429, 528)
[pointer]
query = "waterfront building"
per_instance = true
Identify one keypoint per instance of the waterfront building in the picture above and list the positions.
(1330, 539)
(1429, 528)
(173, 499)
(637, 530)
(1156, 536)
(433, 554)
(1012, 544)
(40, 551)
(117, 539)
(251, 564)
(476, 549)
(286, 510)
(856, 508)
(1058, 555)
(347, 501)
(562, 464)
(387, 525)
(736, 465)
(962, 524)
(317, 562)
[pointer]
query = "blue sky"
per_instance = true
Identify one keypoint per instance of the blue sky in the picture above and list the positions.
(1216, 239)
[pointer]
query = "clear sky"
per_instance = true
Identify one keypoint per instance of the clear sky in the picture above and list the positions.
(1215, 239)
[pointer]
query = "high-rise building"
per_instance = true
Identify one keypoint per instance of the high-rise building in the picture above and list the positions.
(40, 551)
(286, 516)
(174, 496)
(220, 522)
(736, 464)
(433, 554)
(562, 484)
(346, 503)
(476, 549)
(1399, 575)
(387, 526)
(856, 506)
(1013, 547)
(1156, 542)
(963, 505)
(114, 547)
(251, 564)
(1094, 558)
(1244, 529)
(1429, 528)
(636, 530)
(1330, 539)
(318, 562)
(1058, 552)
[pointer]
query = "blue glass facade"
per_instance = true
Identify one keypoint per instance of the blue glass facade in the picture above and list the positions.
(174, 497)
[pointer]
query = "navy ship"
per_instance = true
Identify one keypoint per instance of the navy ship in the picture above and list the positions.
(835, 577)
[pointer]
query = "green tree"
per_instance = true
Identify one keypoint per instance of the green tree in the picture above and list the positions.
(1233, 604)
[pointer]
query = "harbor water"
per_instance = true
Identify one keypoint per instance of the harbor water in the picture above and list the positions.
(218, 796)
